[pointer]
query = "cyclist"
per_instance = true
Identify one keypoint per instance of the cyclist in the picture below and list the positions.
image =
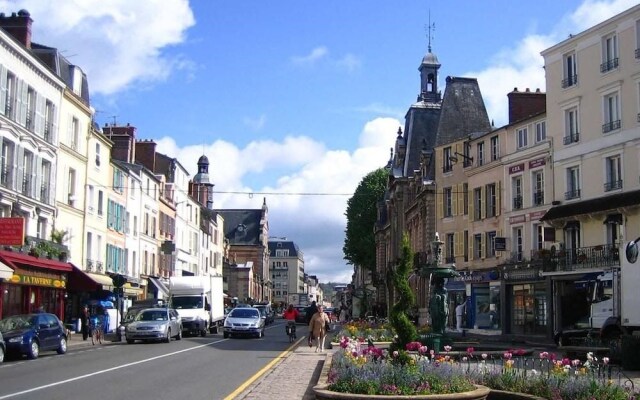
(291, 314)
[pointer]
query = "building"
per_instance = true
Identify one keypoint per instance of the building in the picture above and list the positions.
(286, 269)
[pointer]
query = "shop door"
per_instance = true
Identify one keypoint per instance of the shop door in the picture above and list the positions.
(523, 312)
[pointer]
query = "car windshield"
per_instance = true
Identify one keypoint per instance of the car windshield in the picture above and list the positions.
(131, 315)
(17, 322)
(152, 315)
(244, 313)
(186, 302)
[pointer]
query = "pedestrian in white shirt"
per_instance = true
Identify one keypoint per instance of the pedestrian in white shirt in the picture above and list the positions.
(459, 313)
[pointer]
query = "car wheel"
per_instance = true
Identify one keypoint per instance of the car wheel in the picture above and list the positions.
(225, 335)
(1, 354)
(130, 341)
(203, 332)
(179, 335)
(34, 350)
(167, 339)
(62, 348)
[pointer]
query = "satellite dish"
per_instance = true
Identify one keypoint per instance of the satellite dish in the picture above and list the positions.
(631, 252)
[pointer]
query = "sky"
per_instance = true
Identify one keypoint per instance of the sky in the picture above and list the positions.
(295, 102)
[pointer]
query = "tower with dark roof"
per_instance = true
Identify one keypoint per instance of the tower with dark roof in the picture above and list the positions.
(200, 188)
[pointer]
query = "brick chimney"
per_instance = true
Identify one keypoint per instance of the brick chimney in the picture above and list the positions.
(146, 154)
(523, 105)
(123, 138)
(19, 26)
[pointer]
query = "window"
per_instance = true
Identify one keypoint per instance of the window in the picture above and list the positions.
(522, 136)
(90, 195)
(609, 53)
(516, 190)
(282, 253)
(100, 202)
(570, 70)
(613, 179)
(97, 154)
(447, 202)
(477, 200)
(537, 177)
(135, 225)
(573, 183)
(480, 153)
(465, 247)
(465, 198)
(45, 176)
(518, 244)
(541, 131)
(28, 178)
(6, 173)
(450, 248)
(495, 148)
(477, 246)
(118, 181)
(611, 113)
(491, 200)
(491, 244)
(571, 130)
(31, 109)
(468, 160)
(49, 121)
(538, 236)
(71, 187)
(9, 91)
(74, 129)
(447, 164)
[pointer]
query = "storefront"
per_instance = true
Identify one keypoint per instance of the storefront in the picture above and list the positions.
(527, 302)
(480, 290)
(35, 284)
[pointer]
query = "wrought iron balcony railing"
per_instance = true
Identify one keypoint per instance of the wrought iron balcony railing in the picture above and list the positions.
(611, 126)
(538, 198)
(609, 65)
(571, 138)
(613, 185)
(44, 193)
(569, 81)
(26, 187)
(572, 194)
(6, 176)
(591, 257)
(517, 202)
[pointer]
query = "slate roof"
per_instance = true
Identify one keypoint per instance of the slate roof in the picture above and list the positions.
(242, 227)
(58, 63)
(600, 204)
(421, 126)
(283, 245)
(463, 111)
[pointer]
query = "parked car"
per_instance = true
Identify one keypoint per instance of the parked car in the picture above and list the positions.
(331, 313)
(3, 348)
(265, 310)
(244, 321)
(129, 317)
(302, 315)
(31, 333)
(155, 324)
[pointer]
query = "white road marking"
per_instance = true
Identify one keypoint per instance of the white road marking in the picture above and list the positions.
(35, 389)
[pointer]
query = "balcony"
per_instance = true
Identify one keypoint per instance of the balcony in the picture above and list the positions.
(538, 198)
(592, 257)
(47, 132)
(609, 65)
(572, 194)
(99, 266)
(44, 193)
(8, 109)
(90, 265)
(26, 187)
(613, 185)
(569, 81)
(6, 176)
(571, 138)
(517, 202)
(611, 126)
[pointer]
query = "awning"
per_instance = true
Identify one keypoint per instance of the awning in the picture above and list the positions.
(131, 290)
(15, 259)
(104, 280)
(82, 281)
(6, 272)
(613, 219)
(162, 288)
(600, 204)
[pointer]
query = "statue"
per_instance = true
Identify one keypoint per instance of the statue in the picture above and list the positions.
(438, 306)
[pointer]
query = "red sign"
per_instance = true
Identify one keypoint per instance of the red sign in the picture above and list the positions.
(537, 162)
(534, 216)
(517, 219)
(516, 168)
(12, 231)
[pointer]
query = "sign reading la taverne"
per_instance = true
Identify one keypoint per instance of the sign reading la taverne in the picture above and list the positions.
(12, 231)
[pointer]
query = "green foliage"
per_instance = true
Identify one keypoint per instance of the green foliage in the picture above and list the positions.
(399, 313)
(359, 244)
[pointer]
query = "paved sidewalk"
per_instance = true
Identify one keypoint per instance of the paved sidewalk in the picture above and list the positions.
(291, 379)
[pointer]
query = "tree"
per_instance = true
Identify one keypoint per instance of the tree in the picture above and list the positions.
(359, 244)
(399, 319)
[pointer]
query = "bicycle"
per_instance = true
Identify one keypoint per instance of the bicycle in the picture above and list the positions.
(291, 330)
(96, 330)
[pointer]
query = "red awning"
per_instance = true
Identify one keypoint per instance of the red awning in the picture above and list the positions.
(15, 259)
(80, 281)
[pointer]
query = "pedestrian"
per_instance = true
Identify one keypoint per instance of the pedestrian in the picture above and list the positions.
(459, 313)
(84, 322)
(318, 328)
(310, 311)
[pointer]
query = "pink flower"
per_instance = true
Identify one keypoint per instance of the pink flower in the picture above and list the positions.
(447, 348)
(423, 350)
(507, 355)
(566, 361)
(605, 360)
(575, 362)
(484, 356)
(470, 350)
(395, 354)
(544, 355)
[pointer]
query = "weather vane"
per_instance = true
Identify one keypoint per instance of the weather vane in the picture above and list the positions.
(430, 27)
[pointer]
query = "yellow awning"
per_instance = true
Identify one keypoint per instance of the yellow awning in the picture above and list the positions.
(104, 280)
(5, 271)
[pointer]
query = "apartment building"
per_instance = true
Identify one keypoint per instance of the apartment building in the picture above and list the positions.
(593, 120)
(286, 269)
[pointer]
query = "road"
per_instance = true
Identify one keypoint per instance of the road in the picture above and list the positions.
(193, 368)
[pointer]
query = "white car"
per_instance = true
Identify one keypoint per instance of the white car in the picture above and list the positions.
(244, 321)
(155, 324)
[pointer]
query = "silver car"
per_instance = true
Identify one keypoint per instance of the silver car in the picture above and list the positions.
(244, 321)
(155, 324)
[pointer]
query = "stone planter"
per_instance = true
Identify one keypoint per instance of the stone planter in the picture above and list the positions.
(323, 393)
(504, 395)
(380, 345)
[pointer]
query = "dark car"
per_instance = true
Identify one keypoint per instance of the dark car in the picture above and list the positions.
(31, 333)
(302, 315)
(265, 310)
(3, 348)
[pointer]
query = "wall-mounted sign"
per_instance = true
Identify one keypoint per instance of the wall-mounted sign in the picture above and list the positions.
(538, 162)
(519, 275)
(517, 219)
(516, 168)
(534, 216)
(500, 244)
(35, 280)
(12, 231)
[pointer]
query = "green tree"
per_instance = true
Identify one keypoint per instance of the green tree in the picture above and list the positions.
(359, 244)
(399, 318)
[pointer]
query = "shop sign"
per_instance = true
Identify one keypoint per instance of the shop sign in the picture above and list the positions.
(24, 277)
(517, 219)
(12, 231)
(514, 169)
(534, 216)
(529, 274)
(538, 162)
(475, 277)
(500, 243)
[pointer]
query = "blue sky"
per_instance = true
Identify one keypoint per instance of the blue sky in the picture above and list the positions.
(295, 97)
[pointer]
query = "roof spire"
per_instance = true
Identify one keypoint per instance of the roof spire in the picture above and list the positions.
(430, 27)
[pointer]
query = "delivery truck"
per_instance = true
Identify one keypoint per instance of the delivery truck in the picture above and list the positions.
(199, 300)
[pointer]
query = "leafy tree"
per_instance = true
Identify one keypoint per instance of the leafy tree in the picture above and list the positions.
(359, 244)
(398, 317)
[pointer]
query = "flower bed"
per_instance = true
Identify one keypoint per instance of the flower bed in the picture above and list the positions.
(359, 369)
(364, 330)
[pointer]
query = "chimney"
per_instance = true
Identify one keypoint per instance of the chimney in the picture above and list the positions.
(19, 26)
(523, 105)
(123, 138)
(146, 154)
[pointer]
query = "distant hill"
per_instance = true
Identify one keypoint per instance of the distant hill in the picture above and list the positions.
(327, 288)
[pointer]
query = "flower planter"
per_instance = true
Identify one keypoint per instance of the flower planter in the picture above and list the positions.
(505, 395)
(323, 393)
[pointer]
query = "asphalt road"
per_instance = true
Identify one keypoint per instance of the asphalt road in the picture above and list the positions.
(193, 368)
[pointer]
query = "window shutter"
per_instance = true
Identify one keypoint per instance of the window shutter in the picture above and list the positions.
(456, 244)
(24, 94)
(439, 205)
(3, 89)
(471, 240)
(19, 167)
(54, 124)
(483, 247)
(17, 114)
(499, 234)
(36, 179)
(498, 198)
(454, 200)
(460, 195)
(471, 198)
(483, 205)
(38, 126)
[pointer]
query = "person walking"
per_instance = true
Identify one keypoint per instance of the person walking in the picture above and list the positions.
(310, 311)
(318, 328)
(84, 322)
(459, 313)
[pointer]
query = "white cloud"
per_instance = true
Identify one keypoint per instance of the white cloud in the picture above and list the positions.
(314, 56)
(350, 62)
(255, 124)
(120, 42)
